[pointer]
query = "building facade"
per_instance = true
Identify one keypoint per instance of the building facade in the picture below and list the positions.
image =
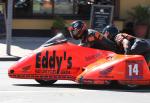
(35, 17)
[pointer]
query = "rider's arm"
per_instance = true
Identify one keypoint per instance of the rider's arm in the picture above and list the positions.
(84, 44)
(92, 38)
(101, 42)
(123, 41)
(126, 46)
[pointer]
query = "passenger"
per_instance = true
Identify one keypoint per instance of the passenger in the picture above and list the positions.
(129, 44)
(89, 37)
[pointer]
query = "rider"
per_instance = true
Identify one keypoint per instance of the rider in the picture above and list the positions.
(89, 37)
(129, 44)
(110, 31)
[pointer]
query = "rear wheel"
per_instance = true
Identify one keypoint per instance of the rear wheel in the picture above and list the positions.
(128, 85)
(46, 82)
(131, 86)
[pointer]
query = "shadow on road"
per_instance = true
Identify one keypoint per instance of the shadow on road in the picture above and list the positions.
(145, 89)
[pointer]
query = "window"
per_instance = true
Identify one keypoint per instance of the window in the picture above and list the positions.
(85, 5)
(84, 8)
(53, 6)
(2, 18)
(42, 6)
(63, 6)
(66, 8)
(22, 8)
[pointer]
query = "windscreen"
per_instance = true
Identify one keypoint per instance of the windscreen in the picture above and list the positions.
(59, 38)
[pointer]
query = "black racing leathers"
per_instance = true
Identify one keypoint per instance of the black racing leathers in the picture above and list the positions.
(140, 46)
(96, 40)
(134, 45)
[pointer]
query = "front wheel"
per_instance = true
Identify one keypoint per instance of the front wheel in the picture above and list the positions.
(46, 82)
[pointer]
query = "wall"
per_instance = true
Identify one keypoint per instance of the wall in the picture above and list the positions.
(46, 24)
(36, 24)
(31, 24)
(43, 24)
(126, 5)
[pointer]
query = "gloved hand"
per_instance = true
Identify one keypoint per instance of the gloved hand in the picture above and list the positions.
(126, 51)
(84, 44)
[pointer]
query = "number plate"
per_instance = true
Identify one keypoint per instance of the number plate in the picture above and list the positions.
(134, 69)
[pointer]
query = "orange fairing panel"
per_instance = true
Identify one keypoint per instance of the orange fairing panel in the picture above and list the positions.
(119, 67)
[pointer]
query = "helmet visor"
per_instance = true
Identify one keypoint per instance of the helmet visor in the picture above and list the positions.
(75, 33)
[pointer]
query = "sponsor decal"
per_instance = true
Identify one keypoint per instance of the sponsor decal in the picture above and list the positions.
(134, 69)
(65, 72)
(53, 71)
(52, 60)
(88, 81)
(46, 71)
(91, 57)
(105, 76)
(43, 77)
(85, 81)
(26, 68)
(106, 71)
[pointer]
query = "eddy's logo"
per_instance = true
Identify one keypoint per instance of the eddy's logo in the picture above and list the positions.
(52, 60)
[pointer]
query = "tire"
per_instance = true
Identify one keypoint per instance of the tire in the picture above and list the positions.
(46, 82)
(128, 86)
(131, 86)
(113, 84)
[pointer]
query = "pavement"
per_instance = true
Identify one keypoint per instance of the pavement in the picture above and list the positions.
(20, 47)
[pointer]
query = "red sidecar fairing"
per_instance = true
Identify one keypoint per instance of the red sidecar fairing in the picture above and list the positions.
(56, 62)
(127, 69)
(67, 61)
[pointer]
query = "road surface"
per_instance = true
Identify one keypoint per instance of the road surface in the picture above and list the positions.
(28, 91)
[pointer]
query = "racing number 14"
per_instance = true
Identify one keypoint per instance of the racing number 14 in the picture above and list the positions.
(133, 69)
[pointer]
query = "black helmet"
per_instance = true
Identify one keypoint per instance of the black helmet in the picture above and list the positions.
(77, 29)
(110, 31)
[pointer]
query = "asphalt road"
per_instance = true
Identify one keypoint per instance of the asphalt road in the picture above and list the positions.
(28, 91)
